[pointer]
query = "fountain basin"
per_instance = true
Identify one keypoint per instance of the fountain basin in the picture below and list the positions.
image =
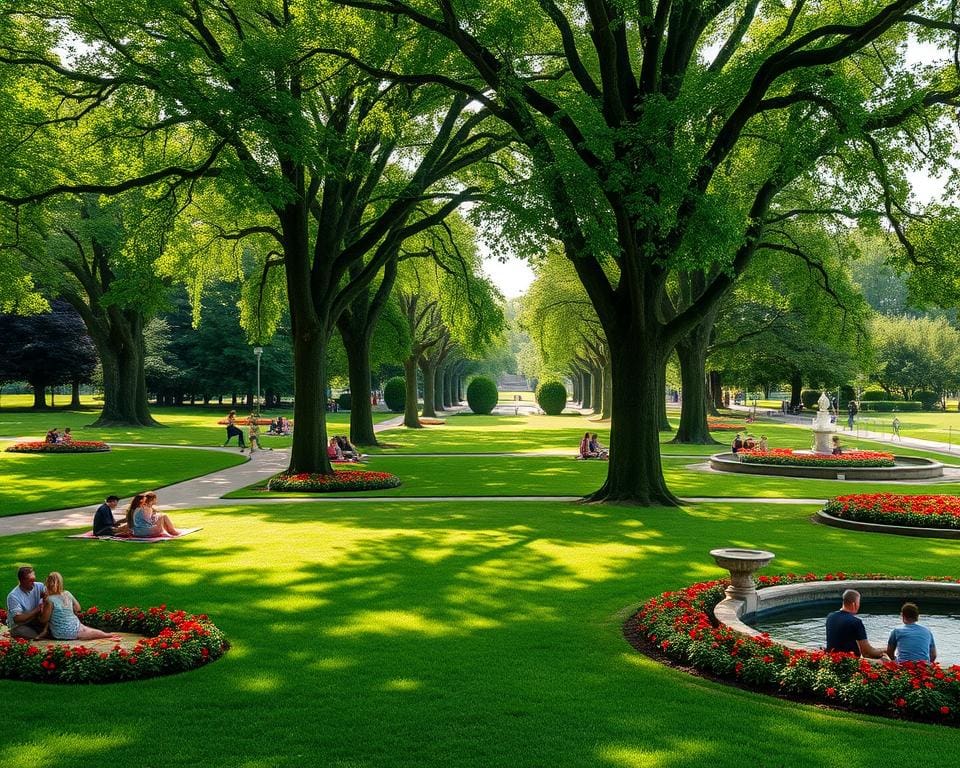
(905, 468)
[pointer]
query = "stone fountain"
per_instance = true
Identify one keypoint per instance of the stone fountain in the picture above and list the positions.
(823, 430)
(742, 563)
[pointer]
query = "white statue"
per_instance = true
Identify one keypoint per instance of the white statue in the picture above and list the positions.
(823, 404)
(822, 427)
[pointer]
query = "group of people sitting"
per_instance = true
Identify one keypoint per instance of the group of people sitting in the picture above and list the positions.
(36, 611)
(909, 642)
(56, 436)
(341, 449)
(280, 426)
(590, 447)
(748, 442)
(141, 520)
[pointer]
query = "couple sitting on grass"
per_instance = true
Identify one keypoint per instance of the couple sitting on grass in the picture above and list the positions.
(37, 611)
(341, 449)
(590, 447)
(141, 521)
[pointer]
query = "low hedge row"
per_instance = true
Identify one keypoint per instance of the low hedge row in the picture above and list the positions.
(681, 625)
(74, 446)
(888, 406)
(174, 641)
(920, 511)
(341, 480)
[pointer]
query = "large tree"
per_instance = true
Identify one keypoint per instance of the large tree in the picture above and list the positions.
(662, 135)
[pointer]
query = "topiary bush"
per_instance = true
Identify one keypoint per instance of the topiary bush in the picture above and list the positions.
(928, 400)
(809, 397)
(552, 397)
(395, 394)
(888, 406)
(482, 395)
(872, 395)
(345, 401)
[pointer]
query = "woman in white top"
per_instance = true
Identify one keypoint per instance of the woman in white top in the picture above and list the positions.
(60, 611)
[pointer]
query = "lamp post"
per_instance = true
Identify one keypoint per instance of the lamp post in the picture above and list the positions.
(257, 351)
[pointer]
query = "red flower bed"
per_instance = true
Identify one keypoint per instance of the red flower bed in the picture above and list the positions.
(246, 421)
(174, 641)
(922, 511)
(787, 457)
(715, 425)
(74, 446)
(341, 480)
(682, 626)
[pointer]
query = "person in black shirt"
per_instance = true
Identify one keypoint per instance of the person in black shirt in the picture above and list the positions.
(103, 521)
(845, 632)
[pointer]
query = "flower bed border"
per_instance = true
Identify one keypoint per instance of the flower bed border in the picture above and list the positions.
(680, 626)
(341, 480)
(74, 446)
(785, 457)
(174, 641)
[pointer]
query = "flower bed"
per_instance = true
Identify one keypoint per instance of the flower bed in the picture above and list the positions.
(341, 480)
(681, 626)
(715, 425)
(922, 511)
(174, 641)
(246, 421)
(74, 446)
(786, 457)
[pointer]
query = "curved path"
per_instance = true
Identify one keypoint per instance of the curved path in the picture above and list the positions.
(208, 490)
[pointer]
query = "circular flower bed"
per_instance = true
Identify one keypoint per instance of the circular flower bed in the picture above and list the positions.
(173, 641)
(681, 626)
(74, 446)
(341, 480)
(715, 425)
(246, 421)
(926, 511)
(786, 457)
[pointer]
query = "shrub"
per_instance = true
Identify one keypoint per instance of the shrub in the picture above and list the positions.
(341, 480)
(552, 397)
(928, 400)
(482, 395)
(846, 395)
(872, 395)
(395, 394)
(74, 446)
(886, 406)
(809, 397)
(173, 641)
(345, 401)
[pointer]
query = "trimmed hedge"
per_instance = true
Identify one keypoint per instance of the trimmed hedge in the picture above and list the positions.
(887, 406)
(927, 398)
(395, 394)
(809, 397)
(345, 401)
(872, 395)
(552, 397)
(482, 395)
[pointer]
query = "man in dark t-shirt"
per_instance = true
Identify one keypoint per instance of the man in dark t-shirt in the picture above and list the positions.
(845, 632)
(103, 522)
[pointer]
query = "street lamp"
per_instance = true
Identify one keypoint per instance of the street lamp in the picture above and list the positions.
(257, 351)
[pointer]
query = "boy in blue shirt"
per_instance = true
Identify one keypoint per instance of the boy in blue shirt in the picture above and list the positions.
(912, 641)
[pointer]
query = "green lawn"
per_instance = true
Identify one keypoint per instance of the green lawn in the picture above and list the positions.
(181, 426)
(484, 634)
(38, 482)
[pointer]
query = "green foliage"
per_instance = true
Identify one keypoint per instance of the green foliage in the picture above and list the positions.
(872, 395)
(345, 401)
(888, 406)
(809, 397)
(916, 353)
(552, 397)
(482, 395)
(928, 399)
(395, 394)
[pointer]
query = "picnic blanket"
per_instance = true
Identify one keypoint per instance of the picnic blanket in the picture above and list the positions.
(150, 540)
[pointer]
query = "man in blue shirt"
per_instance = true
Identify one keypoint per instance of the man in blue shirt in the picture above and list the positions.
(104, 523)
(845, 632)
(24, 604)
(911, 642)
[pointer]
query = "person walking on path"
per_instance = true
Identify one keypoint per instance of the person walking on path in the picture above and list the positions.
(896, 428)
(852, 411)
(233, 429)
(253, 433)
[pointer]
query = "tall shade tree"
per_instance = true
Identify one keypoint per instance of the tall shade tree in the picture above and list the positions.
(662, 134)
(327, 166)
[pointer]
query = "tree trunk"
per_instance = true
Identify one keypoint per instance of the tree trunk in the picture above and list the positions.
(796, 387)
(309, 450)
(447, 379)
(665, 425)
(429, 371)
(596, 389)
(607, 408)
(586, 402)
(576, 387)
(40, 397)
(410, 417)
(715, 403)
(438, 388)
(357, 345)
(635, 474)
(692, 353)
(121, 354)
(75, 394)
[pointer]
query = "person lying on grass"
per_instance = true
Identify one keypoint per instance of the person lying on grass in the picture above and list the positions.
(61, 613)
(144, 521)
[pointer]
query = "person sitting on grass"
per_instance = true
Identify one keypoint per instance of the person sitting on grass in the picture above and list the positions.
(912, 641)
(837, 448)
(595, 447)
(334, 452)
(67, 436)
(737, 443)
(24, 605)
(347, 449)
(585, 451)
(104, 523)
(144, 521)
(61, 614)
(762, 445)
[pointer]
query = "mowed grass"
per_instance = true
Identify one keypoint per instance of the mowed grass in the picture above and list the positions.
(39, 482)
(476, 635)
(181, 426)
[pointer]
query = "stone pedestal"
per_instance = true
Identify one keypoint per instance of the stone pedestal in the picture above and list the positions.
(742, 563)
(823, 439)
